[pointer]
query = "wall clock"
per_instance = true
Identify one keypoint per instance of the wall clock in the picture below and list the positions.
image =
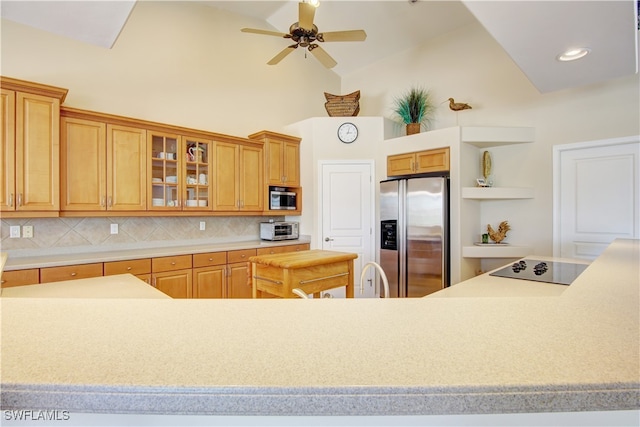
(347, 132)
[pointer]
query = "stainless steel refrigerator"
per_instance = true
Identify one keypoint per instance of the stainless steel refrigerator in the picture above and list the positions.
(414, 235)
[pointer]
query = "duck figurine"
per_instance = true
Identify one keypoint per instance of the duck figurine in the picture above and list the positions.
(458, 106)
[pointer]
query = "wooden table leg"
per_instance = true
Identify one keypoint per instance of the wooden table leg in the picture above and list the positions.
(350, 284)
(254, 282)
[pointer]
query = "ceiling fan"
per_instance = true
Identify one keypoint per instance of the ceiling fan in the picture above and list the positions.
(304, 33)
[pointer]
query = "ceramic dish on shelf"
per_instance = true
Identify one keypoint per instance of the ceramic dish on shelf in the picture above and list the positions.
(172, 179)
(156, 180)
(157, 202)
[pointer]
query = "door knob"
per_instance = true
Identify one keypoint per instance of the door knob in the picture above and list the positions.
(328, 239)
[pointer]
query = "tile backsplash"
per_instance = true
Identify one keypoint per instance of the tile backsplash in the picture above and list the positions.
(95, 232)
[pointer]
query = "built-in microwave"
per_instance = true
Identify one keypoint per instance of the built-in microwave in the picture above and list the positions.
(281, 199)
(279, 230)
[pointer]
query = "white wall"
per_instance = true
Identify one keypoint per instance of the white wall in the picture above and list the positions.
(180, 63)
(470, 66)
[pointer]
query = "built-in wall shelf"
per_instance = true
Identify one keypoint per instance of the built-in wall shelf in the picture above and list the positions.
(496, 251)
(491, 136)
(489, 193)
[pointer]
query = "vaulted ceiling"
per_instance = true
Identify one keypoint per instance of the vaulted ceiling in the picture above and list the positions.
(533, 33)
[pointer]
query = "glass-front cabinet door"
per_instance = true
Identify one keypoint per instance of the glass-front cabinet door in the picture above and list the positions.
(165, 170)
(197, 189)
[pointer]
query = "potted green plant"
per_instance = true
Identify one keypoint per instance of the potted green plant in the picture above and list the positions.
(415, 109)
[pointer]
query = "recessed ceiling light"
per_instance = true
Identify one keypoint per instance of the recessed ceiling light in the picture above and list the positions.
(573, 54)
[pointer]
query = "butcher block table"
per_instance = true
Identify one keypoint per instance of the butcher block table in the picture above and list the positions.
(311, 271)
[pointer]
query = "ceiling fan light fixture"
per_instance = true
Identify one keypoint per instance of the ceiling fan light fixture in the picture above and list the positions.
(573, 54)
(314, 3)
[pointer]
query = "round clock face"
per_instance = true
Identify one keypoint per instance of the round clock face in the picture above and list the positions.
(347, 132)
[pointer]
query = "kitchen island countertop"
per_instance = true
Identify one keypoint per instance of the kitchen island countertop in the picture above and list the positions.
(577, 351)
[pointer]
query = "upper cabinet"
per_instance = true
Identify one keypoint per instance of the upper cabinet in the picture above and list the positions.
(281, 158)
(239, 176)
(30, 139)
(180, 172)
(103, 166)
(436, 160)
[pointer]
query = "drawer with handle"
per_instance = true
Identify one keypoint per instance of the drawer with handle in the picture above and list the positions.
(133, 266)
(240, 255)
(209, 259)
(70, 272)
(169, 263)
(20, 277)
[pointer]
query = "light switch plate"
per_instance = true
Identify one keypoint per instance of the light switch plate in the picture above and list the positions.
(14, 231)
(27, 231)
(114, 228)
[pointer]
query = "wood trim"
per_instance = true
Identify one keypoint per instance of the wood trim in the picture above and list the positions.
(155, 126)
(264, 134)
(33, 88)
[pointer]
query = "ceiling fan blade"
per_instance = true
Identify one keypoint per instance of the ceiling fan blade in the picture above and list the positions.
(306, 12)
(264, 32)
(322, 56)
(343, 36)
(283, 53)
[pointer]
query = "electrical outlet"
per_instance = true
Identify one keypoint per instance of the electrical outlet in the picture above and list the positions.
(14, 231)
(203, 225)
(27, 231)
(114, 228)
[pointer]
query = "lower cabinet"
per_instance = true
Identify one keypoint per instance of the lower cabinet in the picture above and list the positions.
(225, 274)
(209, 275)
(172, 275)
(176, 284)
(238, 280)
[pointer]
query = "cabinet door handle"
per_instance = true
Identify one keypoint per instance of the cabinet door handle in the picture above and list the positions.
(173, 263)
(11, 200)
(74, 274)
(109, 201)
(129, 268)
(154, 283)
(19, 199)
(103, 201)
(210, 259)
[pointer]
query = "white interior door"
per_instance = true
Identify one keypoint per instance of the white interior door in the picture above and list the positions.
(347, 213)
(596, 196)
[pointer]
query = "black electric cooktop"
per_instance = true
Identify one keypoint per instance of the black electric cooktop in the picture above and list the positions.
(561, 273)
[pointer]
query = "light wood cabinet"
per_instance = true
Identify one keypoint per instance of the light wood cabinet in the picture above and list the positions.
(180, 173)
(436, 160)
(283, 249)
(282, 158)
(141, 268)
(103, 165)
(210, 275)
(239, 269)
(70, 272)
(238, 177)
(172, 275)
(30, 147)
(20, 277)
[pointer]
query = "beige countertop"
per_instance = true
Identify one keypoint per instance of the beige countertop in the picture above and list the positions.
(577, 351)
(20, 260)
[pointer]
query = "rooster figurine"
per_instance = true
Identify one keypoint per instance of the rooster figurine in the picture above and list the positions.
(458, 106)
(498, 236)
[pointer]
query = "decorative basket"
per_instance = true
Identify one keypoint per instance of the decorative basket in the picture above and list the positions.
(342, 105)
